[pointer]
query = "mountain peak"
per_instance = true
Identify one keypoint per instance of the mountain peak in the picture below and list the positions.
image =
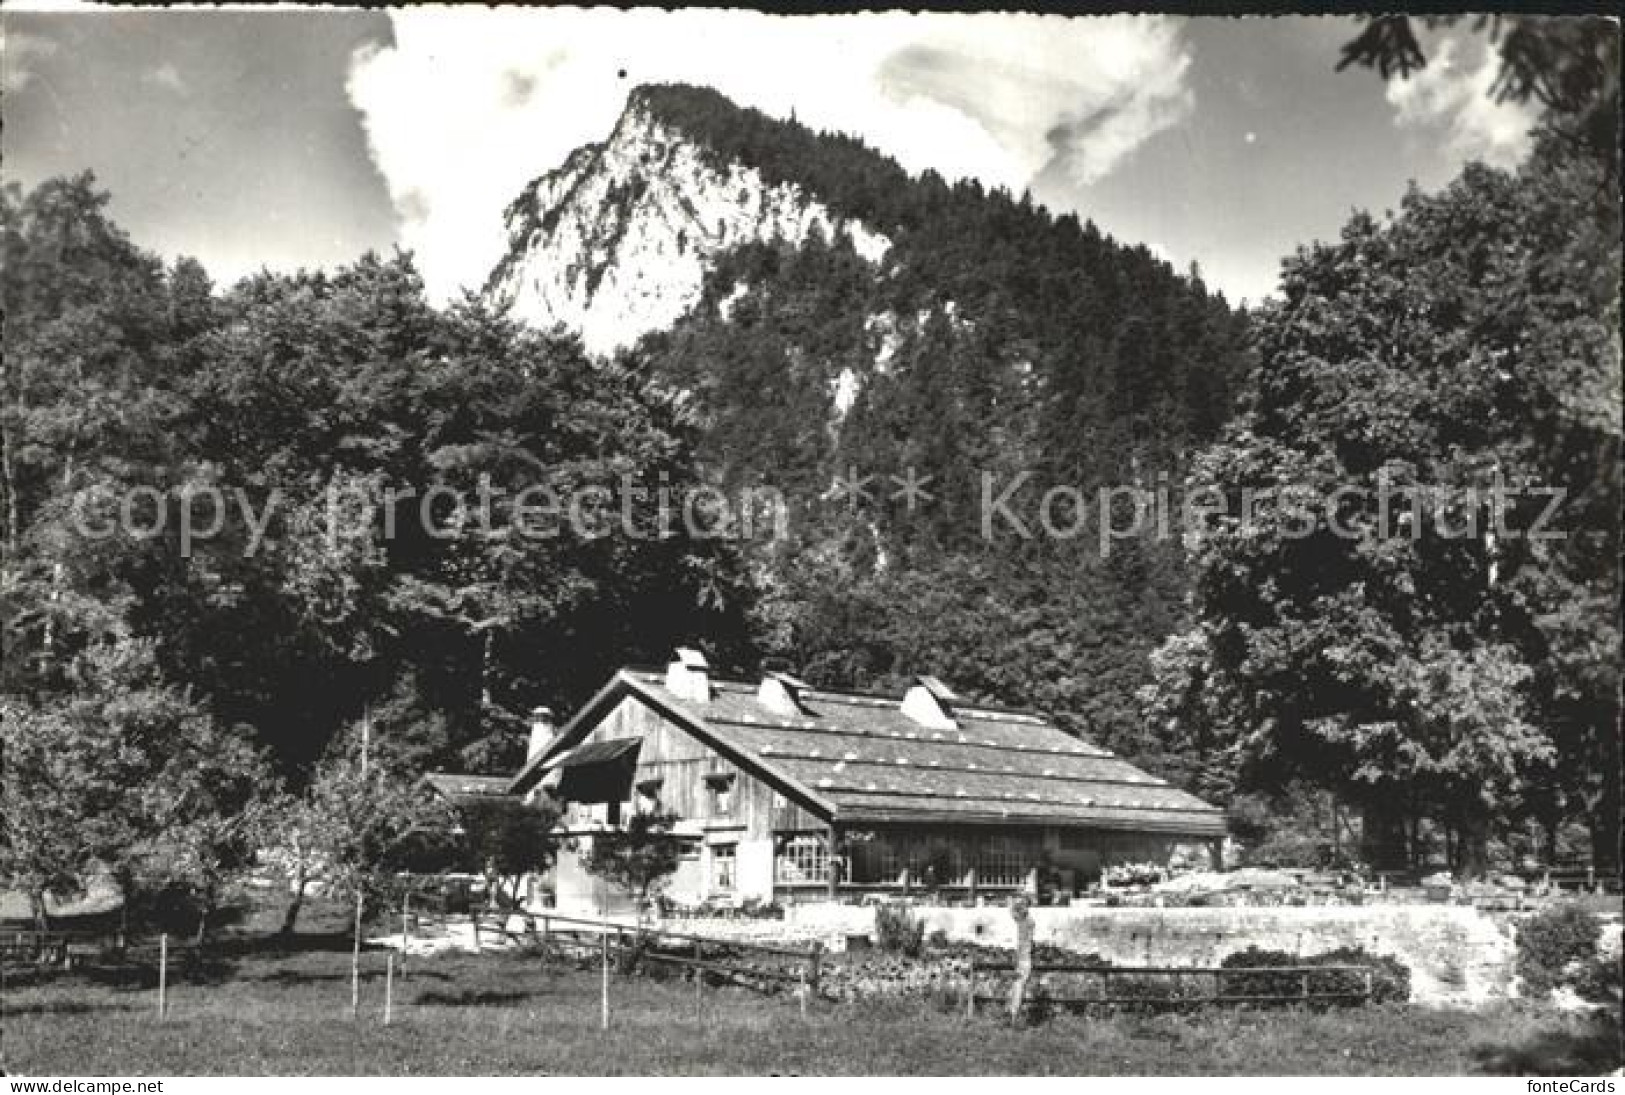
(616, 241)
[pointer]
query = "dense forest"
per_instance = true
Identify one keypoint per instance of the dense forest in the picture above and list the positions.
(1454, 670)
(291, 413)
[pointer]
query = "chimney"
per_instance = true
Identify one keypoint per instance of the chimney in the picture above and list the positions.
(930, 703)
(542, 731)
(781, 694)
(688, 677)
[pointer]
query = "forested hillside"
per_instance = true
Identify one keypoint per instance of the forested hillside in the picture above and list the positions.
(994, 339)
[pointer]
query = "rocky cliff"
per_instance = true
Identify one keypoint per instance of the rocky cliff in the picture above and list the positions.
(616, 242)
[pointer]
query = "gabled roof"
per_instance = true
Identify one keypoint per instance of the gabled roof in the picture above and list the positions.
(857, 759)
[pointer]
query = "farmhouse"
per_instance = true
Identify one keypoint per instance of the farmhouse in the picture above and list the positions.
(786, 792)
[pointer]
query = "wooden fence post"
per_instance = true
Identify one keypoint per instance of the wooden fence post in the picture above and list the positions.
(474, 918)
(603, 1015)
(406, 929)
(1368, 984)
(1024, 956)
(970, 988)
(389, 986)
(355, 945)
(163, 972)
(815, 968)
(699, 978)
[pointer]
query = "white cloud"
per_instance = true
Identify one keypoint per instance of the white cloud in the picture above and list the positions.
(1451, 97)
(18, 52)
(466, 106)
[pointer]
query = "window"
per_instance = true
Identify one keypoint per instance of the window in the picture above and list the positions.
(722, 866)
(872, 858)
(648, 800)
(688, 849)
(937, 862)
(721, 787)
(802, 860)
(1001, 862)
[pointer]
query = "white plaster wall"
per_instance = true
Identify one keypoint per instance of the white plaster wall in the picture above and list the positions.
(755, 867)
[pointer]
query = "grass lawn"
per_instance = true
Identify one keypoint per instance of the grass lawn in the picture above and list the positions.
(262, 1011)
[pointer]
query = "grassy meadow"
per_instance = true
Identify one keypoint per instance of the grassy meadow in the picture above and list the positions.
(258, 1009)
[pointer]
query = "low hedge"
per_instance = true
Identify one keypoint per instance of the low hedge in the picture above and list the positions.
(1390, 978)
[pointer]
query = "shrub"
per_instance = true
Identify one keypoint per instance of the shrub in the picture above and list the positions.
(1599, 981)
(1258, 984)
(1390, 979)
(899, 931)
(1553, 940)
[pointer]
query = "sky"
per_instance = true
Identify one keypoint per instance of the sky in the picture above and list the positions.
(289, 139)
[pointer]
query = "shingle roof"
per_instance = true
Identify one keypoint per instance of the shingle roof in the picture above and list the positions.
(858, 758)
(457, 787)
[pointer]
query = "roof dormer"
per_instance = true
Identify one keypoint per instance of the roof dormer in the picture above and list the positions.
(688, 677)
(930, 703)
(781, 694)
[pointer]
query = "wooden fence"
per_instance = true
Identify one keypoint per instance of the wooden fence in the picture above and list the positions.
(58, 947)
(628, 944)
(1183, 986)
(624, 945)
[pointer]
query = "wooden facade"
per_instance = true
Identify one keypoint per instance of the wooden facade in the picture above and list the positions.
(735, 826)
(750, 830)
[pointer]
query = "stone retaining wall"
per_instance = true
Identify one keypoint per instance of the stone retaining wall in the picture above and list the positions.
(1457, 955)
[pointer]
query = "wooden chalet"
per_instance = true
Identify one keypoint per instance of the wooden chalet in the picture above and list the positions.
(789, 792)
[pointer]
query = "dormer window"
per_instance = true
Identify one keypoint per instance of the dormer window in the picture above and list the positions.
(720, 786)
(648, 798)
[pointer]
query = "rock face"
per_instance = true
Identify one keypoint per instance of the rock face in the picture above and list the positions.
(616, 242)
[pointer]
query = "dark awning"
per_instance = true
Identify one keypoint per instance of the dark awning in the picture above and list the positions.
(599, 771)
(595, 752)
